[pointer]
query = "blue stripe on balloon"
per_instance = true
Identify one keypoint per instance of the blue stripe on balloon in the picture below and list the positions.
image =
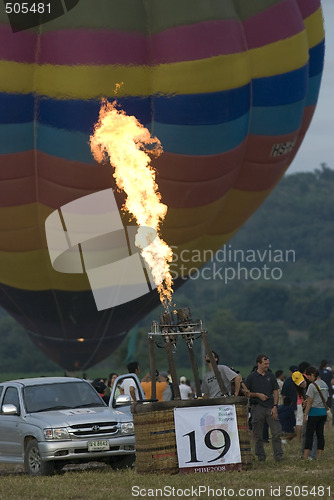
(59, 143)
(68, 114)
(192, 140)
(277, 120)
(193, 109)
(16, 137)
(196, 109)
(16, 108)
(202, 109)
(313, 90)
(66, 144)
(281, 89)
(316, 62)
(82, 115)
(73, 115)
(202, 140)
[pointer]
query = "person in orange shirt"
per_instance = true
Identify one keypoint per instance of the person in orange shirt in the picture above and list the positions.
(160, 386)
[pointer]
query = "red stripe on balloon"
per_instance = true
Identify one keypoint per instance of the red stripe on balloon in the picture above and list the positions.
(26, 178)
(182, 179)
(281, 21)
(261, 176)
(308, 8)
(196, 194)
(20, 46)
(198, 41)
(181, 168)
(99, 47)
(16, 166)
(102, 47)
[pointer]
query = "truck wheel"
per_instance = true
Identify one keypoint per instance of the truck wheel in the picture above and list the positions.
(33, 463)
(122, 462)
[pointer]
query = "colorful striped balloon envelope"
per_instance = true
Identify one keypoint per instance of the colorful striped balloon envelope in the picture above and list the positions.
(229, 87)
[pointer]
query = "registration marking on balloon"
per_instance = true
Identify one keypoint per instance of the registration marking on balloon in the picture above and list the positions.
(129, 146)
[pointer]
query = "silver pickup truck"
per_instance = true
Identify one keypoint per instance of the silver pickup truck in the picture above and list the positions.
(48, 422)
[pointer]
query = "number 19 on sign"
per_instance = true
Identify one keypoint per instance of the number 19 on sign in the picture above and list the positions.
(209, 444)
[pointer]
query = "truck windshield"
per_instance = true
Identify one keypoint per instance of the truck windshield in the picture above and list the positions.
(48, 397)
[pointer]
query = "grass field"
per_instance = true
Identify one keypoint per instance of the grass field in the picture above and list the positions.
(292, 478)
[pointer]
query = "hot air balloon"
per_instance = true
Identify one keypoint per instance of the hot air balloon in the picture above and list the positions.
(228, 86)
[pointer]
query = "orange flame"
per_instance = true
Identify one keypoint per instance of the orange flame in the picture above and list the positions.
(127, 143)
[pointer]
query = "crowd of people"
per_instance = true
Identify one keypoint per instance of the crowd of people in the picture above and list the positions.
(293, 406)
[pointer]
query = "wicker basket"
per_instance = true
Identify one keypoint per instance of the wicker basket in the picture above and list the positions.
(155, 432)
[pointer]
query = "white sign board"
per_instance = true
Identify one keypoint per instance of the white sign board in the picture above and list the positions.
(207, 438)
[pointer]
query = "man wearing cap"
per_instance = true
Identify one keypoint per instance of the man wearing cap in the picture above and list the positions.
(263, 394)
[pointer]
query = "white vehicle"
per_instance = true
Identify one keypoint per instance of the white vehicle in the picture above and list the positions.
(48, 422)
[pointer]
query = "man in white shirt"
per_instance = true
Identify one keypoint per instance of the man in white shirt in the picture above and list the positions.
(185, 390)
(210, 385)
(129, 385)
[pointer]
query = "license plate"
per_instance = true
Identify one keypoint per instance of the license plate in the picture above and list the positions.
(100, 445)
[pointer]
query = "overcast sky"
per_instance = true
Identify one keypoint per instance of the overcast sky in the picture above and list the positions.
(318, 145)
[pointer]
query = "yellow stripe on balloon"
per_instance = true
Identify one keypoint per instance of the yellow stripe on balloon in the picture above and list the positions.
(21, 227)
(87, 82)
(23, 216)
(314, 25)
(193, 254)
(189, 77)
(280, 57)
(238, 207)
(24, 270)
(198, 214)
(16, 78)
